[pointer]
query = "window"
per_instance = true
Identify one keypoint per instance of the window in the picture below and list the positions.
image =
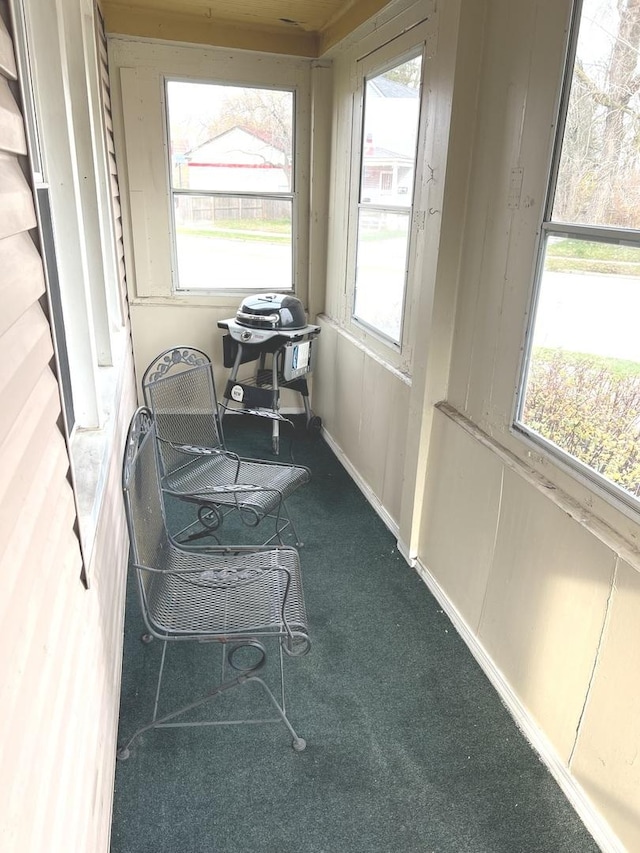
(581, 387)
(386, 169)
(69, 171)
(232, 175)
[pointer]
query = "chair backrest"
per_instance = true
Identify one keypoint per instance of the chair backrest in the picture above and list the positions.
(179, 389)
(142, 497)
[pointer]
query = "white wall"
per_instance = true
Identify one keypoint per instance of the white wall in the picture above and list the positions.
(539, 571)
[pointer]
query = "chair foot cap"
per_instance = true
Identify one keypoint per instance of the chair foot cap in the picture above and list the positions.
(123, 753)
(299, 744)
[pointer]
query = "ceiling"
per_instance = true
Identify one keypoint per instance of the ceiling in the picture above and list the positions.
(295, 27)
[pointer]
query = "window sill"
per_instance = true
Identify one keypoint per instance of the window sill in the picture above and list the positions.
(403, 376)
(91, 449)
(605, 530)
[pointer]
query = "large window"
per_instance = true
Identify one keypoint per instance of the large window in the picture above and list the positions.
(232, 178)
(386, 170)
(581, 389)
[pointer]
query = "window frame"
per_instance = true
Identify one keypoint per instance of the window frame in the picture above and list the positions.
(402, 48)
(81, 305)
(297, 224)
(548, 227)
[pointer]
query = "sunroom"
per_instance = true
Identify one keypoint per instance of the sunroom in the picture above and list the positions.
(451, 189)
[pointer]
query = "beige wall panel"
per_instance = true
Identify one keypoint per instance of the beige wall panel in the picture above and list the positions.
(483, 270)
(338, 192)
(398, 413)
(533, 111)
(349, 377)
(158, 327)
(606, 761)
(22, 279)
(324, 375)
(545, 607)
(519, 84)
(12, 136)
(147, 177)
(375, 416)
(459, 525)
(16, 202)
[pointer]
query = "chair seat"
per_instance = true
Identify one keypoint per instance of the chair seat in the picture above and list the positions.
(235, 594)
(279, 481)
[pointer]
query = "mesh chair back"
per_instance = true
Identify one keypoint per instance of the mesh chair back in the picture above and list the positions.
(150, 544)
(179, 389)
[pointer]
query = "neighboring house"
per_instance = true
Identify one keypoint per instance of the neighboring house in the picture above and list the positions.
(388, 175)
(237, 160)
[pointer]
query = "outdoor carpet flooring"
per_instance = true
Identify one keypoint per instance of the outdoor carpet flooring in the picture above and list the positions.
(409, 748)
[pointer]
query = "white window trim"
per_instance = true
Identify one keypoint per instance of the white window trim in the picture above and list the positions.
(59, 118)
(579, 471)
(297, 274)
(377, 61)
(139, 123)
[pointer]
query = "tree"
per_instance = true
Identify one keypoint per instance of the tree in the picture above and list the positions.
(409, 73)
(599, 176)
(590, 407)
(267, 113)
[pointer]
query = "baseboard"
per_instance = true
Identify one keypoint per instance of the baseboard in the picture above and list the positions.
(406, 553)
(364, 487)
(593, 821)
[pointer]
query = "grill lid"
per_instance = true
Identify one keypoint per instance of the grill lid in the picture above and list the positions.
(271, 311)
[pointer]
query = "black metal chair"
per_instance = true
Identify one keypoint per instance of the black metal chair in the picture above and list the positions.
(195, 465)
(242, 598)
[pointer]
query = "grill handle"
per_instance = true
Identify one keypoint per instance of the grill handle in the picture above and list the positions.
(274, 319)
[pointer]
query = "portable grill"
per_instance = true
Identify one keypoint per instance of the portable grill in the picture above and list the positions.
(276, 325)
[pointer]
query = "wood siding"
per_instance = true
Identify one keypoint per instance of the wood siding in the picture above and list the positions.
(61, 649)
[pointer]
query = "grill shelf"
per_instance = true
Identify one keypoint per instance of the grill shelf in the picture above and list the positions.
(291, 352)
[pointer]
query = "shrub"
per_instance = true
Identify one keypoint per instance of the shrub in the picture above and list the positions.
(590, 407)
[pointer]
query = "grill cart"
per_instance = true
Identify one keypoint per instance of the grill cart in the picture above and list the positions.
(275, 326)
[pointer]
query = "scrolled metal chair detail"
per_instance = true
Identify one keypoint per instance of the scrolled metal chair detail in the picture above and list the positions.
(237, 598)
(195, 465)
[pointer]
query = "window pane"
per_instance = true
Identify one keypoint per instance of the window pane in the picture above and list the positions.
(599, 176)
(230, 138)
(390, 132)
(381, 270)
(233, 242)
(583, 388)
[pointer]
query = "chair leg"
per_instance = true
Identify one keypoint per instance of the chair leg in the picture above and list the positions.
(298, 743)
(245, 677)
(282, 521)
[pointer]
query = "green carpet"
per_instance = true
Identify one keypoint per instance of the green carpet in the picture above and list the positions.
(409, 749)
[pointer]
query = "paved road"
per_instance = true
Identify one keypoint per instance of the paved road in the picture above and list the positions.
(589, 312)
